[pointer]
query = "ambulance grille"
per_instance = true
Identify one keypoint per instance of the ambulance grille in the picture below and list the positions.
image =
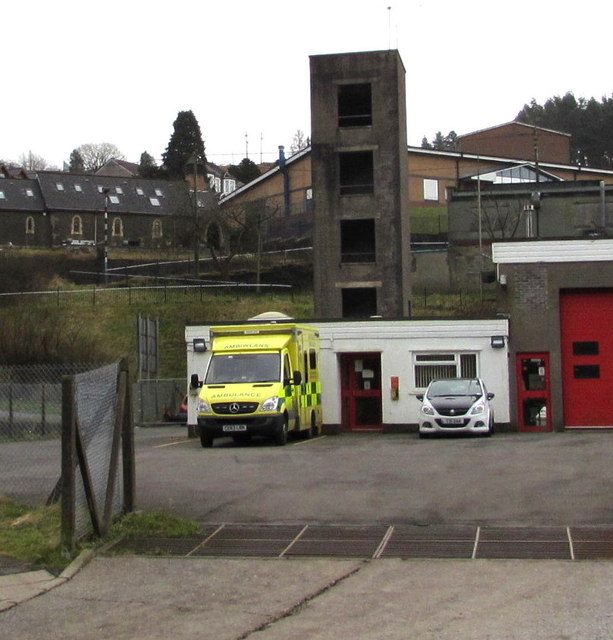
(234, 408)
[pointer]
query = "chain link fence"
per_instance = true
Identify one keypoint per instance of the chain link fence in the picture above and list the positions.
(159, 400)
(30, 430)
(96, 407)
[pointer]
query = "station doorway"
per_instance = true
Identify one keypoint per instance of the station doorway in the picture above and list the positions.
(533, 392)
(361, 399)
(587, 357)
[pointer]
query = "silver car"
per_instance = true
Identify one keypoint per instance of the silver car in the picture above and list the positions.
(455, 406)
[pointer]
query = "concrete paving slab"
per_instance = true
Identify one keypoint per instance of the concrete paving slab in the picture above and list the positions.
(160, 598)
(459, 600)
(18, 587)
(276, 599)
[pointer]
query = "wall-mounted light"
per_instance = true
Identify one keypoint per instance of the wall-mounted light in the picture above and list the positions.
(199, 345)
(497, 342)
(503, 279)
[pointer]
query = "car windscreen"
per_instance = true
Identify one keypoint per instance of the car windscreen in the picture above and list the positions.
(244, 367)
(455, 387)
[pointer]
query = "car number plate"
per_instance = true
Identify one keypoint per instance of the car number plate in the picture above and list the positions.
(452, 420)
(235, 427)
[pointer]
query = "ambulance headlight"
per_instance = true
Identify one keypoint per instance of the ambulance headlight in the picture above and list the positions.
(204, 407)
(270, 404)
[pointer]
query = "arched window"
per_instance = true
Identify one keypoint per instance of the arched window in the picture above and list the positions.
(76, 228)
(117, 227)
(30, 225)
(156, 231)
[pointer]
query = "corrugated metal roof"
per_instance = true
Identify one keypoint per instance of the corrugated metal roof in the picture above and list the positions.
(600, 250)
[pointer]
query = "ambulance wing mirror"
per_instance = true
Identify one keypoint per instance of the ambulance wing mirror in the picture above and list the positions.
(297, 378)
(420, 397)
(194, 383)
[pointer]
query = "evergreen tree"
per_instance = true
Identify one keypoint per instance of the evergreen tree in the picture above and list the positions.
(245, 171)
(185, 143)
(441, 142)
(76, 162)
(589, 122)
(147, 167)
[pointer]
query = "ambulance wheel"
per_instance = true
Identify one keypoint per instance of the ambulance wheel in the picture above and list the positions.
(281, 435)
(206, 440)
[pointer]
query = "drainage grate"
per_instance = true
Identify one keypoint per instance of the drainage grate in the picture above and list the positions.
(380, 541)
(337, 541)
(434, 541)
(524, 543)
(592, 543)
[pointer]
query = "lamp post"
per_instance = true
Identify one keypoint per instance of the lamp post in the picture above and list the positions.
(194, 160)
(105, 191)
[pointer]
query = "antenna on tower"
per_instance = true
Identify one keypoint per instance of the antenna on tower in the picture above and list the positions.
(389, 27)
(246, 145)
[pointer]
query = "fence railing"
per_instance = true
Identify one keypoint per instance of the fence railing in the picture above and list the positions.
(98, 476)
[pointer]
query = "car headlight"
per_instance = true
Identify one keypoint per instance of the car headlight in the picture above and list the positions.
(270, 404)
(204, 407)
(477, 409)
(428, 410)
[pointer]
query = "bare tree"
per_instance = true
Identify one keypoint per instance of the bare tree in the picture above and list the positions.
(33, 162)
(232, 231)
(96, 156)
(500, 220)
(299, 142)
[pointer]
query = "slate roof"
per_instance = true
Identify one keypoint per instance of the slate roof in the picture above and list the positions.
(20, 195)
(81, 193)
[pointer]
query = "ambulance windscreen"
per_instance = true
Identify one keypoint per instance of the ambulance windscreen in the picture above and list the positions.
(244, 368)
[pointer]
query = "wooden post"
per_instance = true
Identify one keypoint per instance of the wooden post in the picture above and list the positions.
(69, 459)
(129, 473)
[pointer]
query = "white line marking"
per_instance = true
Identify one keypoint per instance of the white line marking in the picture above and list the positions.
(383, 543)
(293, 542)
(570, 544)
(308, 441)
(171, 444)
(219, 528)
(476, 543)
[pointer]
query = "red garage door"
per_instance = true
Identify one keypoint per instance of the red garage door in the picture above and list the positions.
(587, 357)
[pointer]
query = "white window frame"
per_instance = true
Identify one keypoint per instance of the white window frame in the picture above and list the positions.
(429, 365)
(431, 189)
(30, 226)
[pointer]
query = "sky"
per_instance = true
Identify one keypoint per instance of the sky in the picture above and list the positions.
(119, 71)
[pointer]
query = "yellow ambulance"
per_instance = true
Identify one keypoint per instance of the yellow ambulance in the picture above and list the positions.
(262, 379)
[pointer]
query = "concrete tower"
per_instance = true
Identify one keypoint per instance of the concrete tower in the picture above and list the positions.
(360, 185)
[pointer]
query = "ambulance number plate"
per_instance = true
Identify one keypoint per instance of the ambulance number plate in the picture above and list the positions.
(235, 427)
